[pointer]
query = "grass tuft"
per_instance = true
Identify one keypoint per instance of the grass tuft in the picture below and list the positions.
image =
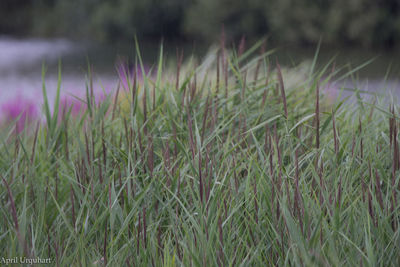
(229, 162)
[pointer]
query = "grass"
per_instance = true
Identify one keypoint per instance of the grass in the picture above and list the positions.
(220, 164)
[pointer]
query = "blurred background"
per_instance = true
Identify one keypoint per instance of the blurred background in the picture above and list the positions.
(102, 32)
(365, 23)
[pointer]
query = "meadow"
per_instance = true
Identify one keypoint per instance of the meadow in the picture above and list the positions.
(232, 161)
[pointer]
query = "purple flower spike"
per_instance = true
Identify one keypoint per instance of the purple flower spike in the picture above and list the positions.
(20, 110)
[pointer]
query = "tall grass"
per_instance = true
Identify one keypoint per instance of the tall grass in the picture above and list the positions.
(203, 170)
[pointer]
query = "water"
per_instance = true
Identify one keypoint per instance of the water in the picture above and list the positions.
(21, 63)
(15, 53)
(380, 76)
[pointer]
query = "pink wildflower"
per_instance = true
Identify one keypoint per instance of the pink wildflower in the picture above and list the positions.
(21, 111)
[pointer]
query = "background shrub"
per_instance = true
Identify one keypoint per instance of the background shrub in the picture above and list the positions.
(339, 22)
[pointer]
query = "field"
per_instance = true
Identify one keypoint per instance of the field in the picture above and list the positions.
(233, 161)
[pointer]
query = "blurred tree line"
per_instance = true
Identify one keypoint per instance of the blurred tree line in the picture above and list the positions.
(359, 22)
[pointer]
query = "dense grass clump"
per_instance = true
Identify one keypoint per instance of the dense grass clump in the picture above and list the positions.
(230, 162)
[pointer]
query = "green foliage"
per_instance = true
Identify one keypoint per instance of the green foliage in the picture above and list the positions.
(362, 22)
(15, 16)
(208, 171)
(110, 20)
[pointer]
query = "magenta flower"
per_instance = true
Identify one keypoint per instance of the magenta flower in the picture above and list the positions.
(76, 105)
(100, 97)
(21, 111)
(127, 74)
